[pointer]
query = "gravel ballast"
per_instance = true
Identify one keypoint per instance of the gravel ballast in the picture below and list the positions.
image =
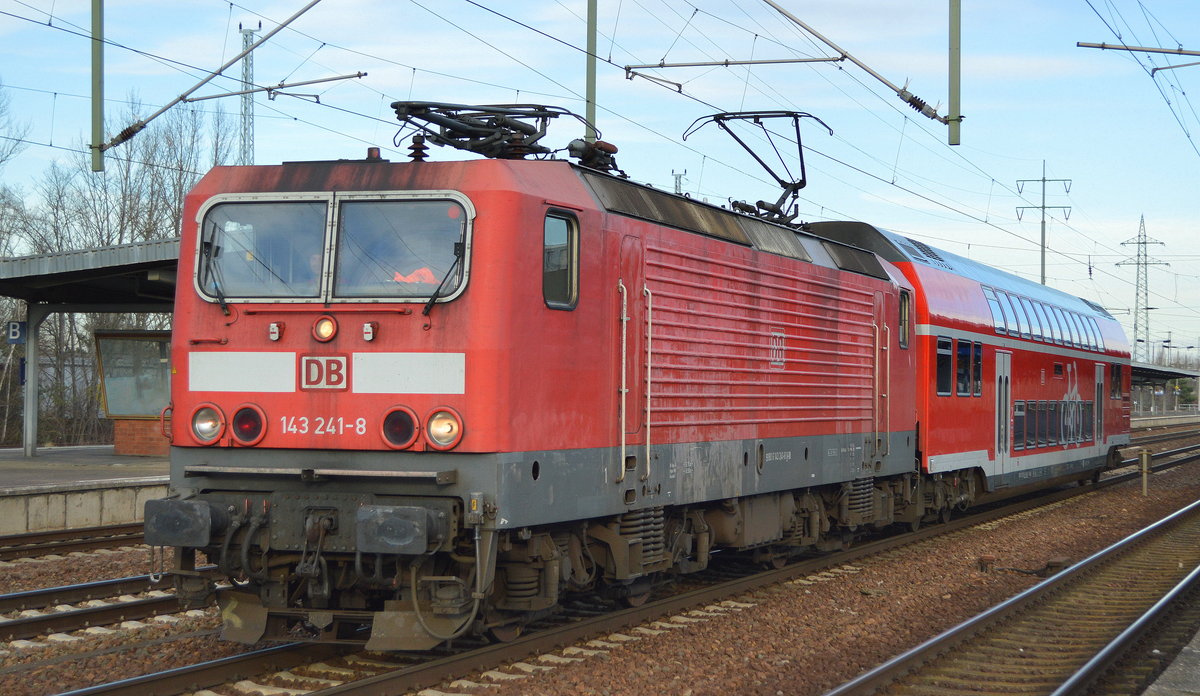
(800, 637)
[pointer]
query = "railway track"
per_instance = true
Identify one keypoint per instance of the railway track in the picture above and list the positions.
(1061, 635)
(346, 671)
(40, 613)
(332, 670)
(33, 544)
(1163, 437)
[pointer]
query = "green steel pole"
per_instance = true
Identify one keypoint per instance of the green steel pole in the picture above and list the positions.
(954, 117)
(590, 113)
(97, 85)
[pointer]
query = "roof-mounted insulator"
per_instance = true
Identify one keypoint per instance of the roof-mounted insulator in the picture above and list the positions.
(417, 151)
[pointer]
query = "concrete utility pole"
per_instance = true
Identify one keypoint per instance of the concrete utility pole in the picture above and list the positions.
(1043, 207)
(246, 156)
(1141, 310)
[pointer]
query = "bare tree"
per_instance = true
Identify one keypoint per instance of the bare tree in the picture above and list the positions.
(139, 197)
(13, 140)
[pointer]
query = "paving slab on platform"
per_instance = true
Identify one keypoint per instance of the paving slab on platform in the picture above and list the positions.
(72, 467)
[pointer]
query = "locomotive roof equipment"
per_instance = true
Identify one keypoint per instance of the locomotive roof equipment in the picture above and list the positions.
(782, 211)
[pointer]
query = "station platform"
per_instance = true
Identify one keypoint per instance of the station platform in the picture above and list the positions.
(71, 487)
(68, 466)
(1182, 678)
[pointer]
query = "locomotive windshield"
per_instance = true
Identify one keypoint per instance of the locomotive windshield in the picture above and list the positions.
(262, 249)
(397, 248)
(390, 249)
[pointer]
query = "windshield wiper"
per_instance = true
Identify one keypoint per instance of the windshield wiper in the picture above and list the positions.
(459, 252)
(209, 251)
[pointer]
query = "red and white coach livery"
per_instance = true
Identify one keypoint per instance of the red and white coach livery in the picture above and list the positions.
(422, 399)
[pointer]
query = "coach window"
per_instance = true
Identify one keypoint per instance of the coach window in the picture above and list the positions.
(1053, 336)
(1022, 320)
(1043, 426)
(1096, 332)
(962, 368)
(1084, 341)
(905, 323)
(1035, 322)
(1018, 425)
(1031, 423)
(1070, 337)
(1114, 381)
(1009, 318)
(1089, 422)
(1054, 421)
(977, 370)
(1090, 327)
(1084, 330)
(1047, 330)
(997, 314)
(945, 367)
(560, 261)
(1097, 339)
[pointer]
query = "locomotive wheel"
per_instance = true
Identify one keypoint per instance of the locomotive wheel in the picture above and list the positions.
(505, 633)
(944, 515)
(914, 525)
(635, 600)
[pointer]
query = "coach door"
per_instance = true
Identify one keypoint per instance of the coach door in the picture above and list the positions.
(1098, 406)
(1003, 410)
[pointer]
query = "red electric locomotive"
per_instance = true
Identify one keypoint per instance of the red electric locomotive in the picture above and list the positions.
(416, 400)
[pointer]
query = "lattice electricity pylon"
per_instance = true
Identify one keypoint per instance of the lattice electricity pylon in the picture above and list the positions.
(246, 152)
(1141, 309)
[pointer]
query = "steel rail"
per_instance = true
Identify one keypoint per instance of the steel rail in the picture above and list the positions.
(1110, 654)
(214, 672)
(1163, 437)
(886, 674)
(84, 617)
(71, 594)
(67, 540)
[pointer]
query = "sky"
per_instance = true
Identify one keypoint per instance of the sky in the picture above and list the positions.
(1124, 139)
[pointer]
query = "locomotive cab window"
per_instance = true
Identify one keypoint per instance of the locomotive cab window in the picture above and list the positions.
(905, 320)
(560, 261)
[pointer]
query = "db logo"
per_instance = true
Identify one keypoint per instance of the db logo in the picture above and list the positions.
(324, 372)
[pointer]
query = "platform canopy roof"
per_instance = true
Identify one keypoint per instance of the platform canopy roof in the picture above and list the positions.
(1146, 373)
(139, 276)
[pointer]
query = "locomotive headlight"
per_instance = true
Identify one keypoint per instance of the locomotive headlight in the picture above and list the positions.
(207, 424)
(444, 428)
(324, 328)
